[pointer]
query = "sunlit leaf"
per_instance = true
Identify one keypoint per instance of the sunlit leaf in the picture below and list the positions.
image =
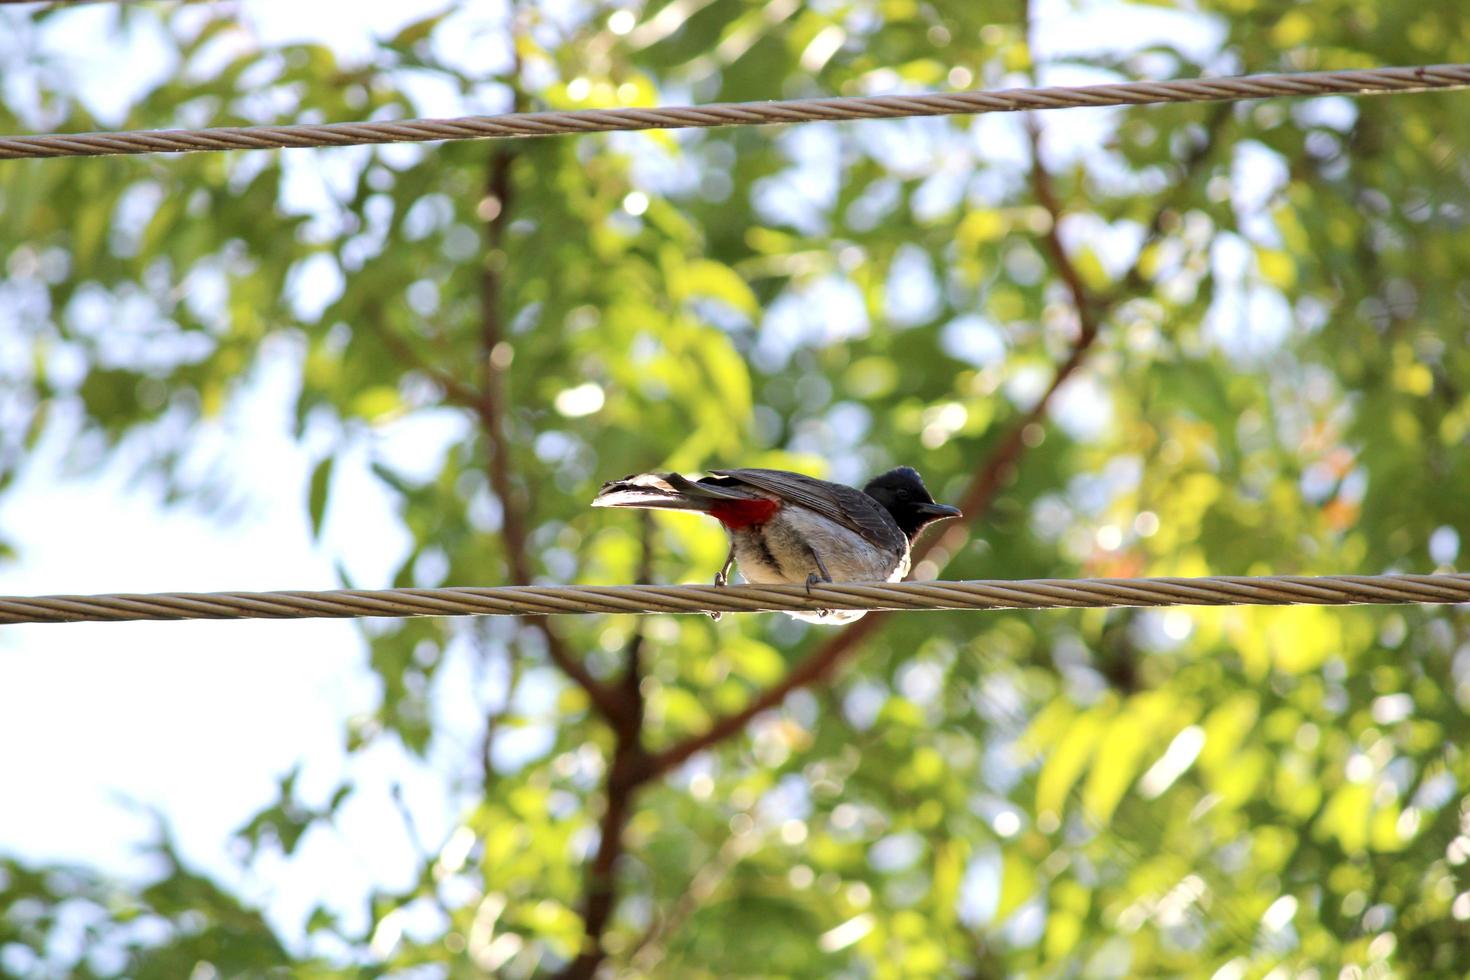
(321, 479)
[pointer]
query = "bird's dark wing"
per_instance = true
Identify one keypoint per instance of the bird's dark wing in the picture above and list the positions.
(851, 508)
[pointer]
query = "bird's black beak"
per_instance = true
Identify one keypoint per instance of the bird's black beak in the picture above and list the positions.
(938, 512)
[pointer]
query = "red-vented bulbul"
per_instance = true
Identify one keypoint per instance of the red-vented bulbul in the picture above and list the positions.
(787, 528)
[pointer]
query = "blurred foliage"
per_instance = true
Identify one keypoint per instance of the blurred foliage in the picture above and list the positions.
(1282, 385)
(66, 920)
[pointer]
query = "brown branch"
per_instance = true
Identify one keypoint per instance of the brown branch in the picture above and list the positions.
(632, 767)
(620, 706)
(627, 773)
(1090, 311)
(625, 777)
(978, 497)
(495, 361)
(455, 391)
(809, 671)
(1002, 461)
(490, 407)
(1061, 263)
(975, 503)
(999, 466)
(633, 670)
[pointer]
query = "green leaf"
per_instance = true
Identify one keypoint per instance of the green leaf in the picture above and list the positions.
(1018, 882)
(321, 480)
(718, 281)
(377, 402)
(1069, 759)
(415, 32)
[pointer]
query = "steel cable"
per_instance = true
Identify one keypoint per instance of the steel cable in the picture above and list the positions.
(525, 124)
(547, 600)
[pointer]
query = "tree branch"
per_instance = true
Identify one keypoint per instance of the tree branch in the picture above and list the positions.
(1002, 461)
(975, 503)
(632, 767)
(993, 472)
(455, 391)
(1061, 262)
(626, 774)
(814, 668)
(496, 355)
(1090, 311)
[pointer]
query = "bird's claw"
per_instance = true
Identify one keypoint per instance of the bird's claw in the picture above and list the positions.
(722, 577)
(815, 578)
(721, 580)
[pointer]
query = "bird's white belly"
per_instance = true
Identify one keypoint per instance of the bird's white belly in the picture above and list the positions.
(780, 552)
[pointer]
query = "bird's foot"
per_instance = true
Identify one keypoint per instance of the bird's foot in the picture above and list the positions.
(721, 580)
(815, 578)
(722, 577)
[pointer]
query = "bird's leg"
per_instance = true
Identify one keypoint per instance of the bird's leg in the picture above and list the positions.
(814, 577)
(722, 577)
(821, 575)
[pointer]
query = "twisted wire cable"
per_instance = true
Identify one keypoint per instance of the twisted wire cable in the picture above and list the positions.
(548, 600)
(524, 124)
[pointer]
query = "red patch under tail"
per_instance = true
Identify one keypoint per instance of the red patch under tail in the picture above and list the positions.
(735, 514)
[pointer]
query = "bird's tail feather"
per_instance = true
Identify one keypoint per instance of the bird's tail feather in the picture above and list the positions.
(663, 491)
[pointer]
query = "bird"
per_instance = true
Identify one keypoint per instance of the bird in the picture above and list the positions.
(788, 528)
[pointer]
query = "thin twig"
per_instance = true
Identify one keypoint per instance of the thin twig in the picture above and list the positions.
(1132, 281)
(410, 826)
(489, 774)
(455, 391)
(653, 945)
(1059, 259)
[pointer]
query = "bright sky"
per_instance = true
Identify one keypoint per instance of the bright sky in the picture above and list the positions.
(199, 721)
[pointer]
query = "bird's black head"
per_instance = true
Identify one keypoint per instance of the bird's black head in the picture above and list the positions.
(903, 494)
